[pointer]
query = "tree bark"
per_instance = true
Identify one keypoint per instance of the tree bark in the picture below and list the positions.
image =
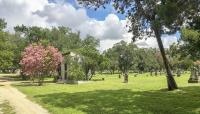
(126, 77)
(66, 71)
(170, 80)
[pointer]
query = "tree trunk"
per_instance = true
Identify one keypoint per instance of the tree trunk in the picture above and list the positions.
(170, 80)
(156, 72)
(66, 71)
(63, 71)
(126, 77)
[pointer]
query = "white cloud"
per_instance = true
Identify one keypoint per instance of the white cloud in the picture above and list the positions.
(18, 12)
(45, 14)
(63, 14)
(152, 42)
(110, 28)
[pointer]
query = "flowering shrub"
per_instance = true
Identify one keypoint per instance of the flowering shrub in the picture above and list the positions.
(38, 60)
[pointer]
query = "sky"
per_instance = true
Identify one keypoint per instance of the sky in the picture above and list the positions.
(104, 24)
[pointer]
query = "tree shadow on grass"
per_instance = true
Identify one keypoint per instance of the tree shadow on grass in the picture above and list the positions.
(124, 101)
(10, 78)
(31, 83)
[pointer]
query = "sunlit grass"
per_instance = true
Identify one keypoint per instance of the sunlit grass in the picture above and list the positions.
(143, 94)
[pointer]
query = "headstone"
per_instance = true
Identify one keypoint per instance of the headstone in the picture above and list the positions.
(89, 74)
(194, 77)
(178, 73)
(125, 78)
(119, 75)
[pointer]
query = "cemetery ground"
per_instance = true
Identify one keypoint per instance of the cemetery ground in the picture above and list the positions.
(5, 107)
(143, 94)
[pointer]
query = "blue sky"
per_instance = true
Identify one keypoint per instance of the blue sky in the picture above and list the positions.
(100, 14)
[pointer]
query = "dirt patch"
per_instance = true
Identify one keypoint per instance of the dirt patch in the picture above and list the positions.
(19, 101)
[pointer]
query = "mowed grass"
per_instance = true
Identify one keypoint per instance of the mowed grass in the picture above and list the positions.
(142, 95)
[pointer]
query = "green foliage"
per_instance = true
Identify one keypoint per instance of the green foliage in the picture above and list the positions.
(191, 43)
(90, 60)
(6, 52)
(125, 61)
(2, 24)
(90, 55)
(139, 58)
(33, 34)
(192, 36)
(168, 12)
(76, 71)
(104, 63)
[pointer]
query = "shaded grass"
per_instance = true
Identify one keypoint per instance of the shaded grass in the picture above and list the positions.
(142, 95)
(11, 77)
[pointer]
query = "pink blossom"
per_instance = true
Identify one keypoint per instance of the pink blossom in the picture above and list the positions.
(37, 59)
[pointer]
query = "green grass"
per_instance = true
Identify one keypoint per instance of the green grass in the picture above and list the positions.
(142, 95)
(5, 108)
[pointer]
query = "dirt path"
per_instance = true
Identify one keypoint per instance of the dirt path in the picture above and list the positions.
(18, 100)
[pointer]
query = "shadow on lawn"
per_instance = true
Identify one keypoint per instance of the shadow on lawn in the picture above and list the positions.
(124, 101)
(10, 78)
(31, 83)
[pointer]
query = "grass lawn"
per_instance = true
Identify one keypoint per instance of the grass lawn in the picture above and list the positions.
(142, 95)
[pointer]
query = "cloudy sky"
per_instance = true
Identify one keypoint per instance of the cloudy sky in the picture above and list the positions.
(104, 24)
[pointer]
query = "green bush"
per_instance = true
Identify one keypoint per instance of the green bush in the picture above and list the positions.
(75, 72)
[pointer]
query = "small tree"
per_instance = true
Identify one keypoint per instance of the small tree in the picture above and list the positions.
(76, 71)
(38, 60)
(125, 63)
(90, 56)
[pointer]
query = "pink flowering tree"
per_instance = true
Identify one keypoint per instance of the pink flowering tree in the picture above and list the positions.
(38, 60)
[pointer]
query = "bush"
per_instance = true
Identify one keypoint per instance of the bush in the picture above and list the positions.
(75, 72)
(38, 60)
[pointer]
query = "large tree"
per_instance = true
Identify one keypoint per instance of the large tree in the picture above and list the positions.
(190, 37)
(7, 48)
(149, 17)
(2, 24)
(6, 52)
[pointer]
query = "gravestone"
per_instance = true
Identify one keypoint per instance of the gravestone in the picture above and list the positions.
(125, 78)
(194, 77)
(178, 73)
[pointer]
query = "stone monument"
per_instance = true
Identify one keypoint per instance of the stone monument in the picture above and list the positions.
(194, 77)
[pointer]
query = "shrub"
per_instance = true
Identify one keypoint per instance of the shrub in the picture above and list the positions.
(38, 60)
(76, 72)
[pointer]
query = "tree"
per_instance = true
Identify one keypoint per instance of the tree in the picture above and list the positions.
(190, 36)
(64, 39)
(2, 24)
(103, 63)
(90, 56)
(152, 16)
(6, 48)
(125, 63)
(76, 71)
(6, 52)
(37, 61)
(33, 34)
(113, 55)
